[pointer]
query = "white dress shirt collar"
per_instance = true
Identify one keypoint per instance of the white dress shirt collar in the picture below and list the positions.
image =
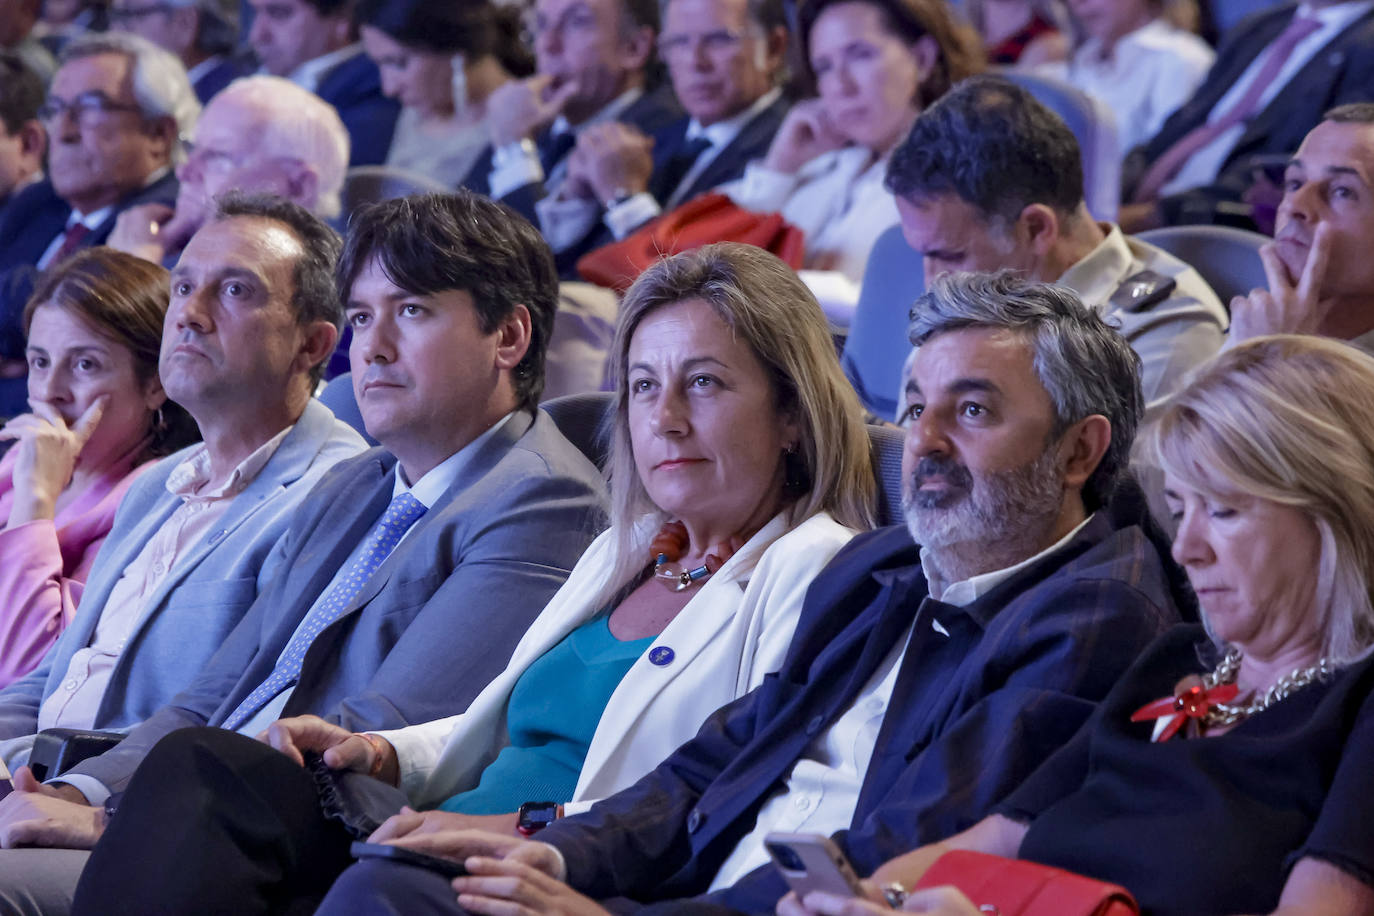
(966, 591)
(439, 478)
(309, 74)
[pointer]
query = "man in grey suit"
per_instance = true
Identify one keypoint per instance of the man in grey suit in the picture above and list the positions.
(451, 299)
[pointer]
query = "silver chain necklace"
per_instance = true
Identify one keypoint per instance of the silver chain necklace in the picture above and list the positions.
(1229, 713)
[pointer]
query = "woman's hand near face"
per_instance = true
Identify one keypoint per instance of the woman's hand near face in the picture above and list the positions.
(806, 133)
(47, 455)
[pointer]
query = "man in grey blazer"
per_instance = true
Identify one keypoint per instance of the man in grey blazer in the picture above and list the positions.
(252, 316)
(451, 299)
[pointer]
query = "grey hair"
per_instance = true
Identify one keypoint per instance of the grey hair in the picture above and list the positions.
(295, 123)
(1083, 363)
(160, 84)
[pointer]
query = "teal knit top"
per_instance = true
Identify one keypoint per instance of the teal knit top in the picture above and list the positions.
(551, 717)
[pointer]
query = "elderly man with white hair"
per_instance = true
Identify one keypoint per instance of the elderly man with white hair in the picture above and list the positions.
(203, 33)
(116, 112)
(262, 134)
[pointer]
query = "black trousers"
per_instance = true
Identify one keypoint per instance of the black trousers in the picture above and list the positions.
(214, 823)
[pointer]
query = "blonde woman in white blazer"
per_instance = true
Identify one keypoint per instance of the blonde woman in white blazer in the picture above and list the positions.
(739, 465)
(735, 630)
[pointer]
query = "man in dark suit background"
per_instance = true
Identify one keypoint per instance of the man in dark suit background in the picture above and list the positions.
(22, 139)
(724, 59)
(203, 33)
(108, 150)
(314, 43)
(593, 60)
(1275, 73)
(923, 684)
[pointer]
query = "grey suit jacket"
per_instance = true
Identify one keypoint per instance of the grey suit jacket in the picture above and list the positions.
(438, 619)
(192, 612)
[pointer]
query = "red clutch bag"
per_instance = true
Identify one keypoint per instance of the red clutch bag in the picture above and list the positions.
(702, 220)
(1017, 888)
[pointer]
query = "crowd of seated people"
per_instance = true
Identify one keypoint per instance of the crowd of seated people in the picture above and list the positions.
(591, 677)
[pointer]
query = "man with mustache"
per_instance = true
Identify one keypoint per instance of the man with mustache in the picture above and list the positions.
(406, 577)
(1321, 276)
(924, 682)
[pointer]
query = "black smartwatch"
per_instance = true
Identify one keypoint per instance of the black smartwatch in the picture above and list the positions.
(535, 816)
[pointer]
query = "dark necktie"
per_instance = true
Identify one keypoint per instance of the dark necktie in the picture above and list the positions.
(555, 147)
(679, 164)
(71, 240)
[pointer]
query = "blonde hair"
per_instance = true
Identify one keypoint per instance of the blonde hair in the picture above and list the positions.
(1290, 420)
(767, 306)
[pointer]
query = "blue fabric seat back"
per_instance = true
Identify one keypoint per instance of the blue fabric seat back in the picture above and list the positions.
(1227, 258)
(1093, 124)
(338, 397)
(877, 345)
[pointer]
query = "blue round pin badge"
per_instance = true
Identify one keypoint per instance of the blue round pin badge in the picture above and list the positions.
(661, 655)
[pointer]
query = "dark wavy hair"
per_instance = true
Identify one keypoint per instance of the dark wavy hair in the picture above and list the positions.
(473, 28)
(989, 142)
(431, 243)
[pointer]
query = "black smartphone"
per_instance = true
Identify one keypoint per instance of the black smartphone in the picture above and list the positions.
(812, 862)
(446, 867)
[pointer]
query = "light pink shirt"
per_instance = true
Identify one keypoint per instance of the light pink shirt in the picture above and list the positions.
(76, 701)
(46, 562)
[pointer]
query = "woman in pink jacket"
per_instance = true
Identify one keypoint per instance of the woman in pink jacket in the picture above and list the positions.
(99, 416)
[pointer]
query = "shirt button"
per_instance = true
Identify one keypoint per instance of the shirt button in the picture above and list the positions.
(815, 725)
(159, 569)
(71, 684)
(875, 705)
(802, 802)
(694, 821)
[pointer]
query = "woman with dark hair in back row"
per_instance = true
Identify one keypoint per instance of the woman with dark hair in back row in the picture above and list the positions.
(442, 61)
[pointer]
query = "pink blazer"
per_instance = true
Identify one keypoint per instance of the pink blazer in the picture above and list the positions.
(44, 564)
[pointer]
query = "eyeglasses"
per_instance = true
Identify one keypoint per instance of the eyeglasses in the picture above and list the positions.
(719, 43)
(90, 104)
(118, 17)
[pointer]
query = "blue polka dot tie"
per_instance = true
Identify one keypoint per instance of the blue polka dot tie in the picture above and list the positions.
(396, 521)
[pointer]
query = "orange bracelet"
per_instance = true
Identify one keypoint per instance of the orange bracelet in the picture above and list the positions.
(377, 743)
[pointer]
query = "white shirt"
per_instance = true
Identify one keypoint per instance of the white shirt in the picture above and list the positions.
(427, 490)
(309, 74)
(839, 202)
(1142, 79)
(1203, 167)
(823, 788)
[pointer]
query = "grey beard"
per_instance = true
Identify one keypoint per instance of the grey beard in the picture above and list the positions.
(993, 523)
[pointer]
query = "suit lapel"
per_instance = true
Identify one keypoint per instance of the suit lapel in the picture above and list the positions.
(478, 465)
(340, 529)
(729, 162)
(292, 458)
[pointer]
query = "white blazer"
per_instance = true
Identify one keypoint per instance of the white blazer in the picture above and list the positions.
(735, 630)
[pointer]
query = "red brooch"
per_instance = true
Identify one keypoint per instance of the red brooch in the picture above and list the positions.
(1192, 700)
